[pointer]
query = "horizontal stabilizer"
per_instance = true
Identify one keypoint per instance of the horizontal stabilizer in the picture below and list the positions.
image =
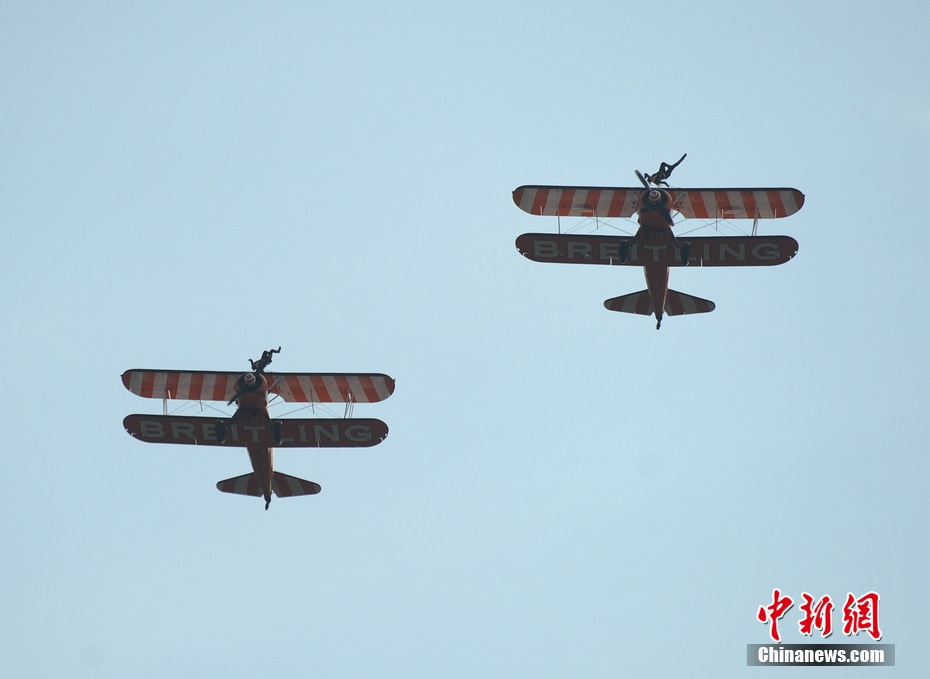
(634, 303)
(247, 484)
(290, 486)
(676, 304)
(282, 485)
(295, 433)
(680, 304)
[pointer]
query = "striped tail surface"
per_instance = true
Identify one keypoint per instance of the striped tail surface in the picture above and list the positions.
(290, 486)
(676, 304)
(282, 485)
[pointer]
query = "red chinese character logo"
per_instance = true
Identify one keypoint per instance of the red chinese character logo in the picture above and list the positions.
(861, 615)
(819, 616)
(774, 612)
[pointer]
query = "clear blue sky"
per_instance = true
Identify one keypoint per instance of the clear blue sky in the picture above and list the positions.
(564, 491)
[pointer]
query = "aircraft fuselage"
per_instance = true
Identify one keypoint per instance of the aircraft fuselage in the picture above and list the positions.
(655, 230)
(252, 412)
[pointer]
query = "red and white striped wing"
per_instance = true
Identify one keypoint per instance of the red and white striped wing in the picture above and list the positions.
(334, 388)
(194, 385)
(577, 201)
(295, 387)
(606, 202)
(736, 203)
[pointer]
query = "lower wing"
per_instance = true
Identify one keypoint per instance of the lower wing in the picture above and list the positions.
(705, 250)
(295, 433)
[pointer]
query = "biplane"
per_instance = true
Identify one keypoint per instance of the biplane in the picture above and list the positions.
(655, 247)
(252, 426)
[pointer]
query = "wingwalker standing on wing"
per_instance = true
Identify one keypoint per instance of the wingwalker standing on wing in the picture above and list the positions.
(655, 247)
(252, 426)
(262, 363)
(665, 171)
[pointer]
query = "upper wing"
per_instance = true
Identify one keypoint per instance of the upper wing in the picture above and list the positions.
(332, 388)
(736, 203)
(577, 201)
(197, 385)
(192, 385)
(595, 201)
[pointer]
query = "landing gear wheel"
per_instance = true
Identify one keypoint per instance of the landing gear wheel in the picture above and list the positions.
(624, 251)
(220, 427)
(685, 253)
(276, 429)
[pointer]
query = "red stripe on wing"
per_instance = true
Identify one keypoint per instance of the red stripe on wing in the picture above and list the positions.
(539, 201)
(590, 203)
(368, 388)
(617, 203)
(297, 391)
(698, 208)
(171, 384)
(219, 387)
(195, 392)
(778, 205)
(748, 198)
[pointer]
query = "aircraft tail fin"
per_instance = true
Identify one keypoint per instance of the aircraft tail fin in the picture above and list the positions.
(282, 485)
(676, 304)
